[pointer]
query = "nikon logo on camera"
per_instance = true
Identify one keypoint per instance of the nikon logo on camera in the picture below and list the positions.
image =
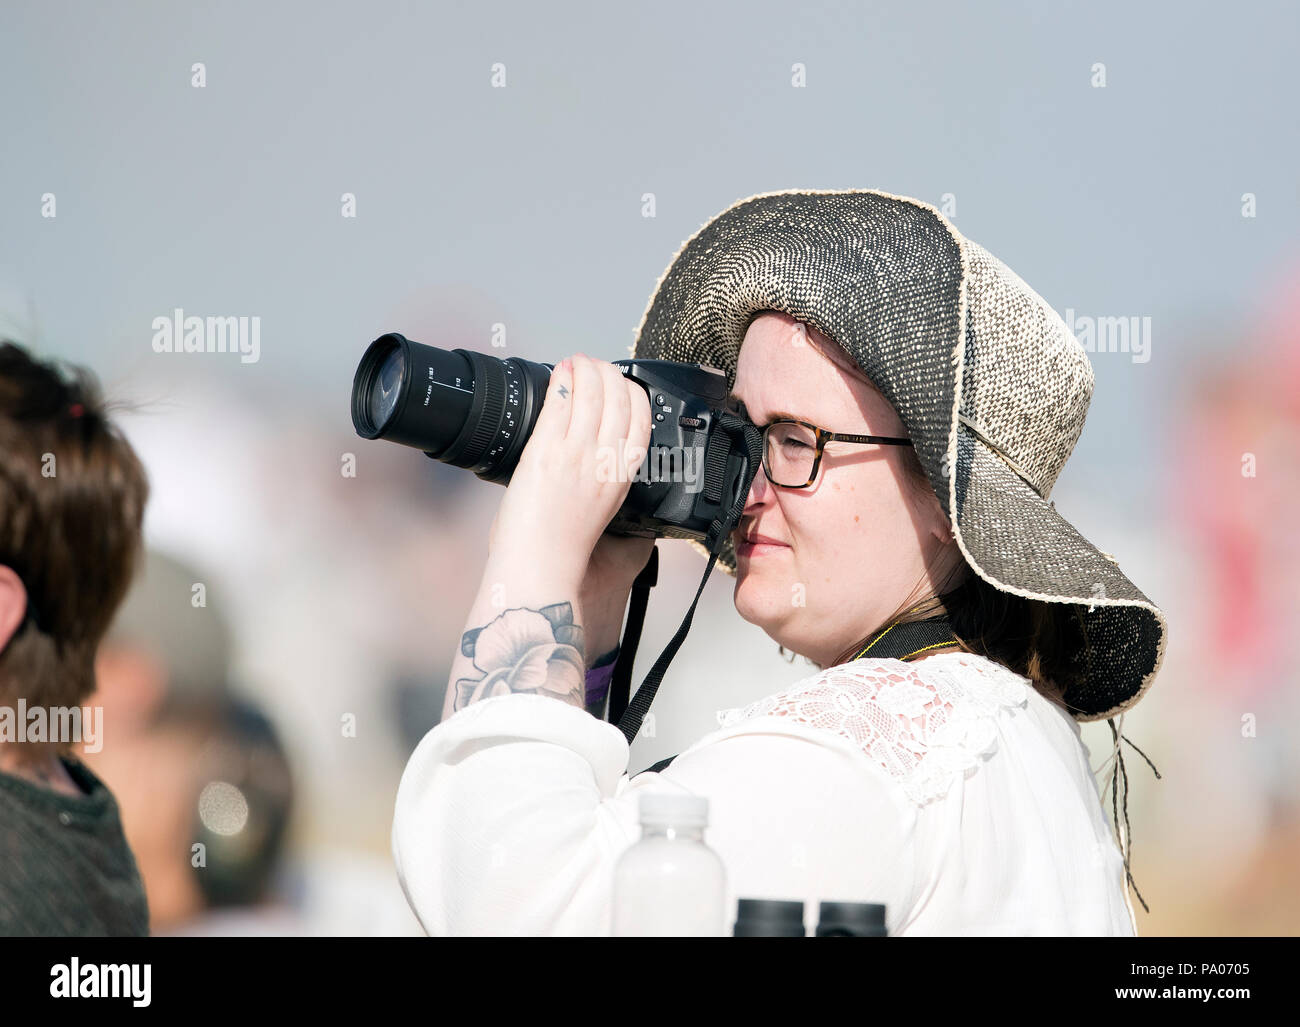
(660, 463)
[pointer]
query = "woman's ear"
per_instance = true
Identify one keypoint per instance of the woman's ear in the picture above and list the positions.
(13, 604)
(940, 525)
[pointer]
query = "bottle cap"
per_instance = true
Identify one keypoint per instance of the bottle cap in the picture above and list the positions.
(674, 810)
(769, 918)
(850, 920)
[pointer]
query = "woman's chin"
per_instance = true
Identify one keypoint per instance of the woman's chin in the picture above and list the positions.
(761, 605)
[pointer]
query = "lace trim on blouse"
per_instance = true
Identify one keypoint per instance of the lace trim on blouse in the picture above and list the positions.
(925, 723)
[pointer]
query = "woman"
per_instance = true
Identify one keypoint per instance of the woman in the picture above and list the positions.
(952, 785)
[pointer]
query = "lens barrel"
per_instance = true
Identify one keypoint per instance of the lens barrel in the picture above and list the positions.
(458, 406)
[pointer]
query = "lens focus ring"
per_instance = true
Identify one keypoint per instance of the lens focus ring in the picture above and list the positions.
(486, 425)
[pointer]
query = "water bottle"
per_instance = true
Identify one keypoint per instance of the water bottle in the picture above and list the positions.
(670, 883)
(851, 920)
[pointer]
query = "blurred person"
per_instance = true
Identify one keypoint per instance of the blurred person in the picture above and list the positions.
(72, 499)
(163, 648)
(914, 402)
(206, 794)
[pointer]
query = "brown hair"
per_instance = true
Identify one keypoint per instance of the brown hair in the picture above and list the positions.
(72, 497)
(1027, 636)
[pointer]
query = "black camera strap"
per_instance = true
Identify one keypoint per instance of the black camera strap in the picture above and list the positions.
(734, 432)
(621, 683)
(909, 641)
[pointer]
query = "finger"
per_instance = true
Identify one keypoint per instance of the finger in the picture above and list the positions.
(557, 404)
(588, 399)
(616, 413)
(638, 433)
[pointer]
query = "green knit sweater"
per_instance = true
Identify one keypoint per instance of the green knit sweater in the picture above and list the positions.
(65, 867)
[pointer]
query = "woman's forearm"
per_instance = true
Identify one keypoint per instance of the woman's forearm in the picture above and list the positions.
(604, 621)
(524, 632)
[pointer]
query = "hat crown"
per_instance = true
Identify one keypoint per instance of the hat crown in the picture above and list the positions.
(885, 277)
(1026, 381)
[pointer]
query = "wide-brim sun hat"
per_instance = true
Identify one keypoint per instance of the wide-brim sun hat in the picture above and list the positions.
(987, 379)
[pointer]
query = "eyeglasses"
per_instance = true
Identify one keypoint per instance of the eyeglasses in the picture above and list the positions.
(792, 450)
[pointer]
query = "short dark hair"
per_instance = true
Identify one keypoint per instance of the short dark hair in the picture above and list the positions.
(72, 498)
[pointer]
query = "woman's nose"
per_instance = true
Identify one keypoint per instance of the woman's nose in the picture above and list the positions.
(759, 491)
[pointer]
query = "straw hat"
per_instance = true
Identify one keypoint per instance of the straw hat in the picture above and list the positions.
(990, 385)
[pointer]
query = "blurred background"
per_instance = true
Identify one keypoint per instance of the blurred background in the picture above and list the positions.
(340, 170)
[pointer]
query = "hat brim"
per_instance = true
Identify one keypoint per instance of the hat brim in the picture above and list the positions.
(1018, 542)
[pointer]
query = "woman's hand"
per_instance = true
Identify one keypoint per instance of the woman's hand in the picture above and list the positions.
(574, 474)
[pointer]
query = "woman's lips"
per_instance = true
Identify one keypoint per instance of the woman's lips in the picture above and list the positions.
(759, 545)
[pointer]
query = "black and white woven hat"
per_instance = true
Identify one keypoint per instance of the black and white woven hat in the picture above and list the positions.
(988, 381)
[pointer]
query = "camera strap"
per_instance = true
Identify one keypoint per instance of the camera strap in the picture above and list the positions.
(909, 641)
(735, 432)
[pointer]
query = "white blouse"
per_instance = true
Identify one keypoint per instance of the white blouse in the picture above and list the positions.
(948, 789)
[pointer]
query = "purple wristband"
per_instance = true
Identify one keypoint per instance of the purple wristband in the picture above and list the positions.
(598, 679)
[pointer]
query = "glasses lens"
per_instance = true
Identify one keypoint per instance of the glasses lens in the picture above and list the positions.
(791, 451)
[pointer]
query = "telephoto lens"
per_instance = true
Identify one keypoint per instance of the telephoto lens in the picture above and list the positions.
(850, 920)
(458, 406)
(769, 918)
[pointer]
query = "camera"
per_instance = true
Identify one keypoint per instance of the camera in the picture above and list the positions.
(472, 410)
